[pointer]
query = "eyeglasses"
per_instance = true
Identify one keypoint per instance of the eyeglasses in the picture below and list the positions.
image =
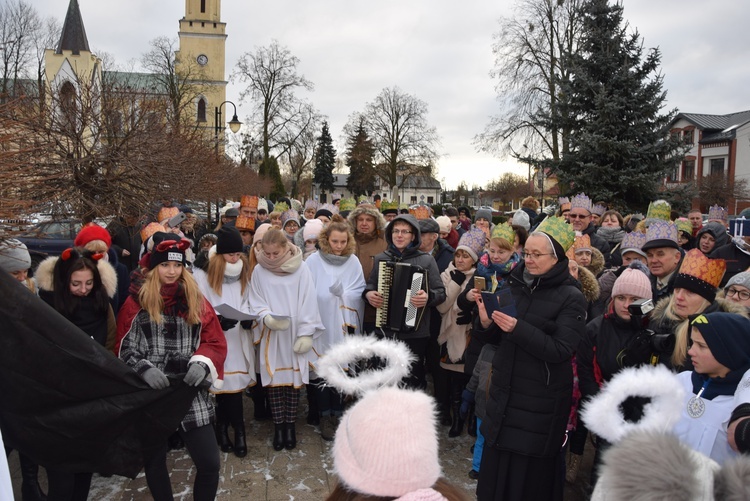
(578, 216)
(535, 255)
(743, 295)
(402, 232)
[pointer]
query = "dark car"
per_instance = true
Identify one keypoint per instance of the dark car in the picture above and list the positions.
(50, 238)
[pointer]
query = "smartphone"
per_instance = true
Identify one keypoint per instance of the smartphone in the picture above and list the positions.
(479, 283)
(175, 221)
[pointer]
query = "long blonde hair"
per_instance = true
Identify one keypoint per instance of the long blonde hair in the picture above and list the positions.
(216, 267)
(150, 296)
(682, 331)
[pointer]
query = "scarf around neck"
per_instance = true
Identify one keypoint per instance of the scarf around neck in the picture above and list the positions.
(285, 264)
(333, 259)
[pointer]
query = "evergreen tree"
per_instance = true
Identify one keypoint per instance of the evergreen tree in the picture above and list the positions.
(361, 180)
(620, 148)
(272, 172)
(325, 160)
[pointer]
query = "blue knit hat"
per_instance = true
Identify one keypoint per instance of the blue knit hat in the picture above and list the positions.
(728, 337)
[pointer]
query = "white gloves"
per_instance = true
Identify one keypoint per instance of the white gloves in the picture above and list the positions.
(276, 324)
(337, 289)
(302, 345)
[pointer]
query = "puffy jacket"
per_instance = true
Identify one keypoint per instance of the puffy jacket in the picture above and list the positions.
(737, 260)
(531, 384)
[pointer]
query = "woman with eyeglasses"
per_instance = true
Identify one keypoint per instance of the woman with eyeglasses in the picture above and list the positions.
(531, 383)
(738, 289)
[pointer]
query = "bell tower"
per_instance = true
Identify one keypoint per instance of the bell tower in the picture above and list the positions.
(202, 38)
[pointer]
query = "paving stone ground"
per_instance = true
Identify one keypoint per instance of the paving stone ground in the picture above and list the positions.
(305, 473)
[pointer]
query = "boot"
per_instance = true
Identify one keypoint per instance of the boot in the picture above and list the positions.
(313, 415)
(30, 489)
(240, 445)
(471, 423)
(260, 409)
(222, 437)
(278, 436)
(290, 437)
(457, 425)
(445, 415)
(326, 428)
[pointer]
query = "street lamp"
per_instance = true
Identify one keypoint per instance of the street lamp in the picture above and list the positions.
(234, 124)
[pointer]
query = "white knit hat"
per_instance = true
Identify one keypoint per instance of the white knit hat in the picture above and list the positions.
(14, 256)
(445, 223)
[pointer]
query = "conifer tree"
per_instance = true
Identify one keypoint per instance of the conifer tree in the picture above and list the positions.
(325, 160)
(359, 154)
(270, 168)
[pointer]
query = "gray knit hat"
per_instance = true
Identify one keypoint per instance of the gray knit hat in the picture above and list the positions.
(742, 279)
(483, 214)
(14, 256)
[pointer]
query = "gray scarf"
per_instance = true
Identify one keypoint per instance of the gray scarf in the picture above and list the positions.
(333, 259)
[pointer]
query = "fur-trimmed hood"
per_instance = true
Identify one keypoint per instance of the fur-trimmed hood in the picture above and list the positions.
(44, 275)
(589, 284)
(662, 312)
(325, 246)
(597, 262)
(369, 210)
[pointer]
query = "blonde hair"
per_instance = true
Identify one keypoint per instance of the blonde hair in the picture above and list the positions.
(501, 243)
(275, 236)
(682, 331)
(216, 267)
(150, 296)
(96, 246)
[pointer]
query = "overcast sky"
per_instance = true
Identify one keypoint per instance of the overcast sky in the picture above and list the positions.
(438, 50)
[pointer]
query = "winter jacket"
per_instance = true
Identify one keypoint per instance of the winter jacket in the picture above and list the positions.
(368, 246)
(613, 236)
(443, 254)
(591, 291)
(666, 291)
(414, 256)
(531, 385)
(479, 384)
(597, 242)
(455, 336)
(736, 259)
(717, 231)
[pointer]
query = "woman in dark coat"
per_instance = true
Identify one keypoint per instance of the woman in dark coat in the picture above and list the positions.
(531, 385)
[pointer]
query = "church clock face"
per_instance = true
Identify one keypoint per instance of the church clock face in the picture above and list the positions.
(202, 59)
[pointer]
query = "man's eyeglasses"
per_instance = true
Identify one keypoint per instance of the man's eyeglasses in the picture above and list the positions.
(578, 216)
(743, 295)
(534, 255)
(402, 232)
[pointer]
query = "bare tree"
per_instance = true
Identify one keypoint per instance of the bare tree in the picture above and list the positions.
(528, 68)
(719, 189)
(272, 80)
(20, 26)
(47, 37)
(508, 187)
(404, 143)
(299, 146)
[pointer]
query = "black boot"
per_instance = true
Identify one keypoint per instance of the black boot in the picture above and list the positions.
(471, 423)
(313, 415)
(240, 445)
(222, 437)
(261, 411)
(278, 436)
(457, 425)
(445, 415)
(30, 489)
(290, 437)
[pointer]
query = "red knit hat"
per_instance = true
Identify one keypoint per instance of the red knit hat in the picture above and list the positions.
(91, 233)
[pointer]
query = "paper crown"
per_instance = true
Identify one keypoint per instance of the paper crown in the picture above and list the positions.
(564, 203)
(473, 242)
(151, 228)
(661, 234)
(560, 230)
(403, 205)
(362, 199)
(244, 223)
(280, 207)
(386, 206)
(421, 212)
(167, 213)
(330, 208)
(296, 205)
(505, 232)
(581, 201)
(683, 224)
(289, 215)
(347, 204)
(581, 243)
(262, 204)
(659, 209)
(598, 209)
(696, 266)
(717, 213)
(311, 204)
(633, 242)
(249, 201)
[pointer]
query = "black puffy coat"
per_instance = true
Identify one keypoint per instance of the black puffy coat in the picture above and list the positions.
(531, 386)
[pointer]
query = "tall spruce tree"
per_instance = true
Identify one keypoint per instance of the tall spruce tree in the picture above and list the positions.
(271, 169)
(325, 160)
(359, 154)
(620, 147)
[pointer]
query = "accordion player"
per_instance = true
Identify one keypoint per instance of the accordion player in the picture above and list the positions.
(397, 283)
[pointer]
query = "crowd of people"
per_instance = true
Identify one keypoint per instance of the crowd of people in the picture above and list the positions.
(520, 324)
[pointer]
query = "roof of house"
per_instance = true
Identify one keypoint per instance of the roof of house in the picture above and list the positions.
(716, 127)
(412, 182)
(73, 35)
(147, 82)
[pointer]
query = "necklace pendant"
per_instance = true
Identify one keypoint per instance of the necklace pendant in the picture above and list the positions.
(695, 407)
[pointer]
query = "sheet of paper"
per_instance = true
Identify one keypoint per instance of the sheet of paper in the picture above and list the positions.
(227, 311)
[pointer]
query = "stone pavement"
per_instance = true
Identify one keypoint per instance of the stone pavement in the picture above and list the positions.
(305, 473)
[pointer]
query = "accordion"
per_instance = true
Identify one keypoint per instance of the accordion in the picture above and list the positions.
(397, 283)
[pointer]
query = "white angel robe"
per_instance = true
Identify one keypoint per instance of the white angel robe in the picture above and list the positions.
(337, 313)
(290, 295)
(239, 366)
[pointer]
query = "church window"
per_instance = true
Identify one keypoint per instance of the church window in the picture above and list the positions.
(68, 102)
(201, 110)
(203, 5)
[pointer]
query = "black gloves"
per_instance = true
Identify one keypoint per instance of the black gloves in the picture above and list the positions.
(463, 318)
(246, 324)
(226, 323)
(458, 276)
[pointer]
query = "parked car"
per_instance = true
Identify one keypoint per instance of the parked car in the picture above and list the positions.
(50, 238)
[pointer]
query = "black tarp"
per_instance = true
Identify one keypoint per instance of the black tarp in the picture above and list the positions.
(67, 402)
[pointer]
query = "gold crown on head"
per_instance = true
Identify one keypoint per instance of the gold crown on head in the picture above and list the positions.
(280, 207)
(505, 232)
(386, 205)
(683, 224)
(560, 230)
(582, 242)
(659, 209)
(244, 223)
(421, 212)
(249, 201)
(347, 204)
(697, 265)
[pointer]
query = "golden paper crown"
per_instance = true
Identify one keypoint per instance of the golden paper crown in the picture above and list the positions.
(659, 209)
(244, 223)
(148, 230)
(421, 212)
(582, 242)
(280, 207)
(505, 232)
(697, 265)
(167, 213)
(386, 205)
(560, 230)
(347, 204)
(683, 224)
(249, 201)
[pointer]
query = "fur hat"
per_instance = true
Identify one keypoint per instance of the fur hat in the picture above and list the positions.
(14, 256)
(90, 233)
(633, 282)
(228, 240)
(170, 248)
(445, 223)
(472, 242)
(521, 218)
(369, 210)
(483, 214)
(312, 229)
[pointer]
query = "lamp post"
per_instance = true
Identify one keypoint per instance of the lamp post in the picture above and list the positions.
(234, 124)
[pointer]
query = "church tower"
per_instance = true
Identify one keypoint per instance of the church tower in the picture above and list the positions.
(202, 52)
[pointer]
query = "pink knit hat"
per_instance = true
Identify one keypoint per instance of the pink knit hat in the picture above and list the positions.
(382, 453)
(633, 282)
(445, 223)
(312, 229)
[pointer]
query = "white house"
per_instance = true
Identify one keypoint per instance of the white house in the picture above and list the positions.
(415, 189)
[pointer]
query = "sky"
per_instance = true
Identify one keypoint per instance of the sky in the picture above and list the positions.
(437, 50)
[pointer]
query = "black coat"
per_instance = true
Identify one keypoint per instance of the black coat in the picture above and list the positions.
(737, 261)
(531, 386)
(599, 243)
